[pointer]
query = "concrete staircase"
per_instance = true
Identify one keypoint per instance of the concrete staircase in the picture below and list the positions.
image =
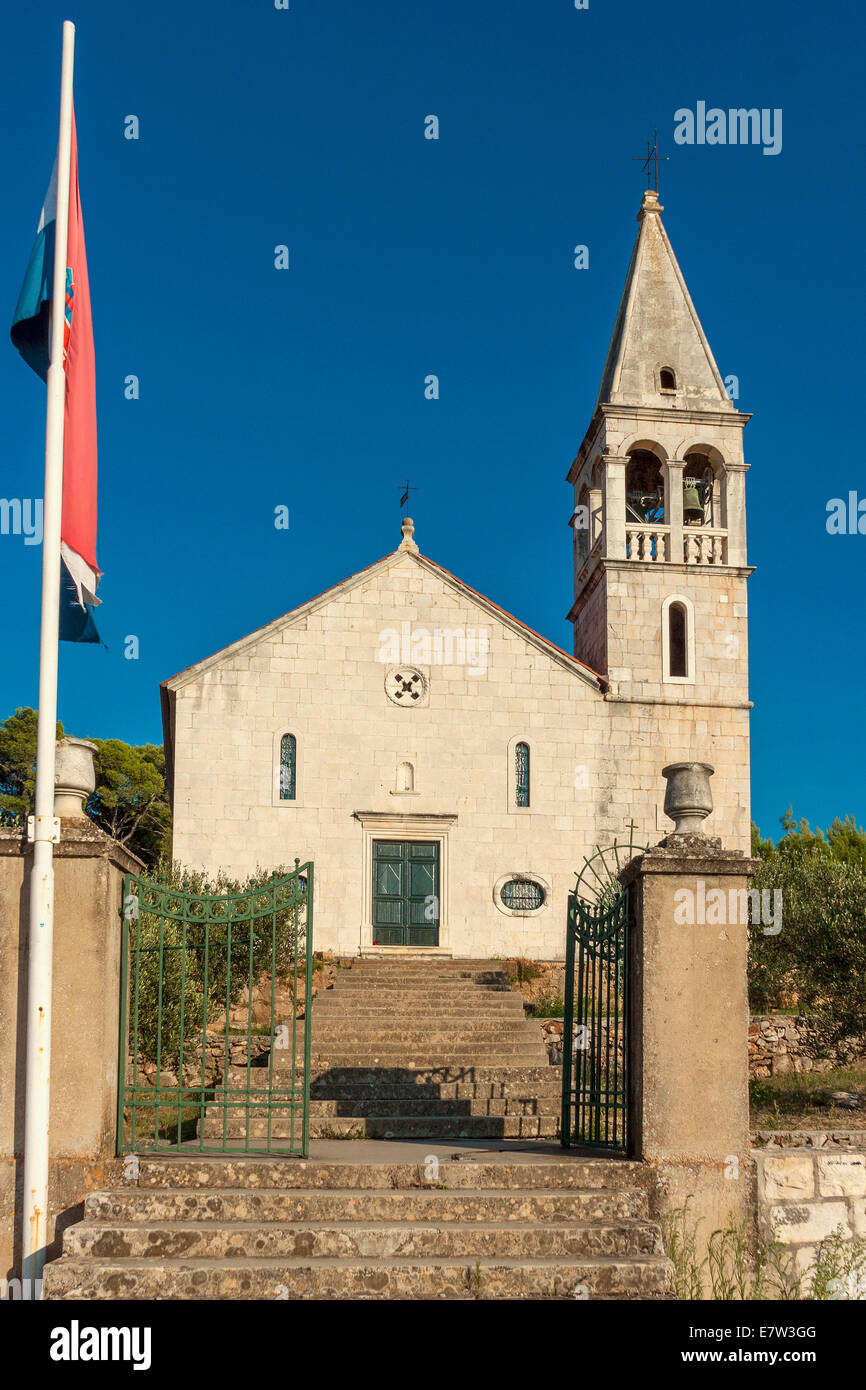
(417, 1049)
(465, 1225)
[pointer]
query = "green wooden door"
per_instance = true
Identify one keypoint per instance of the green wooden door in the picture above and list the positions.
(405, 893)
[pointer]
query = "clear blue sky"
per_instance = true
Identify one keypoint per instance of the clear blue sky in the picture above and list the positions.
(409, 257)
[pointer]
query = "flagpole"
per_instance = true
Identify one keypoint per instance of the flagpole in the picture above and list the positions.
(43, 826)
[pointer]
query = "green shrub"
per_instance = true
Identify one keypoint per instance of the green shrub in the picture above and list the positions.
(547, 1005)
(527, 970)
(818, 959)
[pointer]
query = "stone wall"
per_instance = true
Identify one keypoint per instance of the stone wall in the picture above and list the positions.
(778, 1043)
(219, 1052)
(781, 1043)
(805, 1193)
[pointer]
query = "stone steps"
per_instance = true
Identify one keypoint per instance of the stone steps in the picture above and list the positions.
(435, 1032)
(417, 1045)
(507, 1008)
(425, 967)
(402, 1105)
(388, 1025)
(396, 1102)
(405, 1083)
(366, 1240)
(446, 1091)
(422, 988)
(516, 1228)
(526, 1172)
(236, 1128)
(339, 1205)
(492, 1057)
(446, 1074)
(647, 1277)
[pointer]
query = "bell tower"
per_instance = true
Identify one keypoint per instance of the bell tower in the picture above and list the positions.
(659, 515)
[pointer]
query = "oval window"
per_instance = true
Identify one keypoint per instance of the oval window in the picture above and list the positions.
(522, 895)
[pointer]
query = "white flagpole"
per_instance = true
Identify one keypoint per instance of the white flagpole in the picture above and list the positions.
(42, 826)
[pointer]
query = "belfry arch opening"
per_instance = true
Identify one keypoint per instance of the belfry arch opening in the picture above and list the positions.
(644, 488)
(701, 500)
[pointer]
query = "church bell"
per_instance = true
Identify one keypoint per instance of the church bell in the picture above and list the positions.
(693, 510)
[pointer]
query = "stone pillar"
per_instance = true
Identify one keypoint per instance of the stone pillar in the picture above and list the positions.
(674, 508)
(613, 487)
(734, 482)
(689, 1019)
(88, 888)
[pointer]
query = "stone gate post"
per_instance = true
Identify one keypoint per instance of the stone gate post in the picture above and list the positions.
(88, 887)
(689, 1021)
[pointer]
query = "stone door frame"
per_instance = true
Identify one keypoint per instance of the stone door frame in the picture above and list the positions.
(388, 825)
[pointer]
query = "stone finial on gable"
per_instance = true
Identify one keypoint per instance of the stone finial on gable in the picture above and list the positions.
(649, 203)
(408, 543)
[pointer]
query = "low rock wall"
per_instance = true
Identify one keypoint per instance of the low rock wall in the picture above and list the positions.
(778, 1045)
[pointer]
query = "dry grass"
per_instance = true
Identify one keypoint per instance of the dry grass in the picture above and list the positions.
(801, 1100)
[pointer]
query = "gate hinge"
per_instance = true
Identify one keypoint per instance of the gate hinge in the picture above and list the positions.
(51, 822)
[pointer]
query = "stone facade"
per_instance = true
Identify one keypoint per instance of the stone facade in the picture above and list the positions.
(595, 764)
(807, 1193)
(475, 683)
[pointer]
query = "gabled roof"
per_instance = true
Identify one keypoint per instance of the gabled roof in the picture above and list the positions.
(169, 687)
(657, 326)
(295, 615)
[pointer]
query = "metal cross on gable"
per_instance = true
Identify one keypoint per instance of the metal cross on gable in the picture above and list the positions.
(652, 157)
(404, 500)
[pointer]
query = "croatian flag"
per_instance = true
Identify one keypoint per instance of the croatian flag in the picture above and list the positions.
(79, 572)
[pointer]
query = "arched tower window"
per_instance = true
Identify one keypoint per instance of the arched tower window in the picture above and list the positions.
(700, 502)
(644, 488)
(581, 522)
(678, 639)
(667, 379)
(595, 504)
(521, 774)
(288, 767)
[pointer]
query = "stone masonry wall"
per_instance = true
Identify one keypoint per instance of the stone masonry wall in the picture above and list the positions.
(807, 1193)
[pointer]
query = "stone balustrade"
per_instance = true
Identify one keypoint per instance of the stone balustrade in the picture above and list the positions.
(702, 545)
(648, 542)
(705, 545)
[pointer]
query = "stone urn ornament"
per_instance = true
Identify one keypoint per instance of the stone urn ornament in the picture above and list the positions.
(74, 777)
(688, 799)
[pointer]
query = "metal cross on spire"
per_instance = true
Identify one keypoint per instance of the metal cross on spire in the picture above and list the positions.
(652, 157)
(404, 500)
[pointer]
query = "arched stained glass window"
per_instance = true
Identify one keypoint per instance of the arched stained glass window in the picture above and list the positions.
(521, 774)
(288, 758)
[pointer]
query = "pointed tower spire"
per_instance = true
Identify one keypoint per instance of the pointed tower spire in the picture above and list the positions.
(659, 354)
(659, 516)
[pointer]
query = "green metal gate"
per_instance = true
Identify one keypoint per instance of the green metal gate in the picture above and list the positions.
(595, 1044)
(209, 1064)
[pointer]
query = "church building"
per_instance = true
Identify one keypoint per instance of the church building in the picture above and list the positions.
(446, 768)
